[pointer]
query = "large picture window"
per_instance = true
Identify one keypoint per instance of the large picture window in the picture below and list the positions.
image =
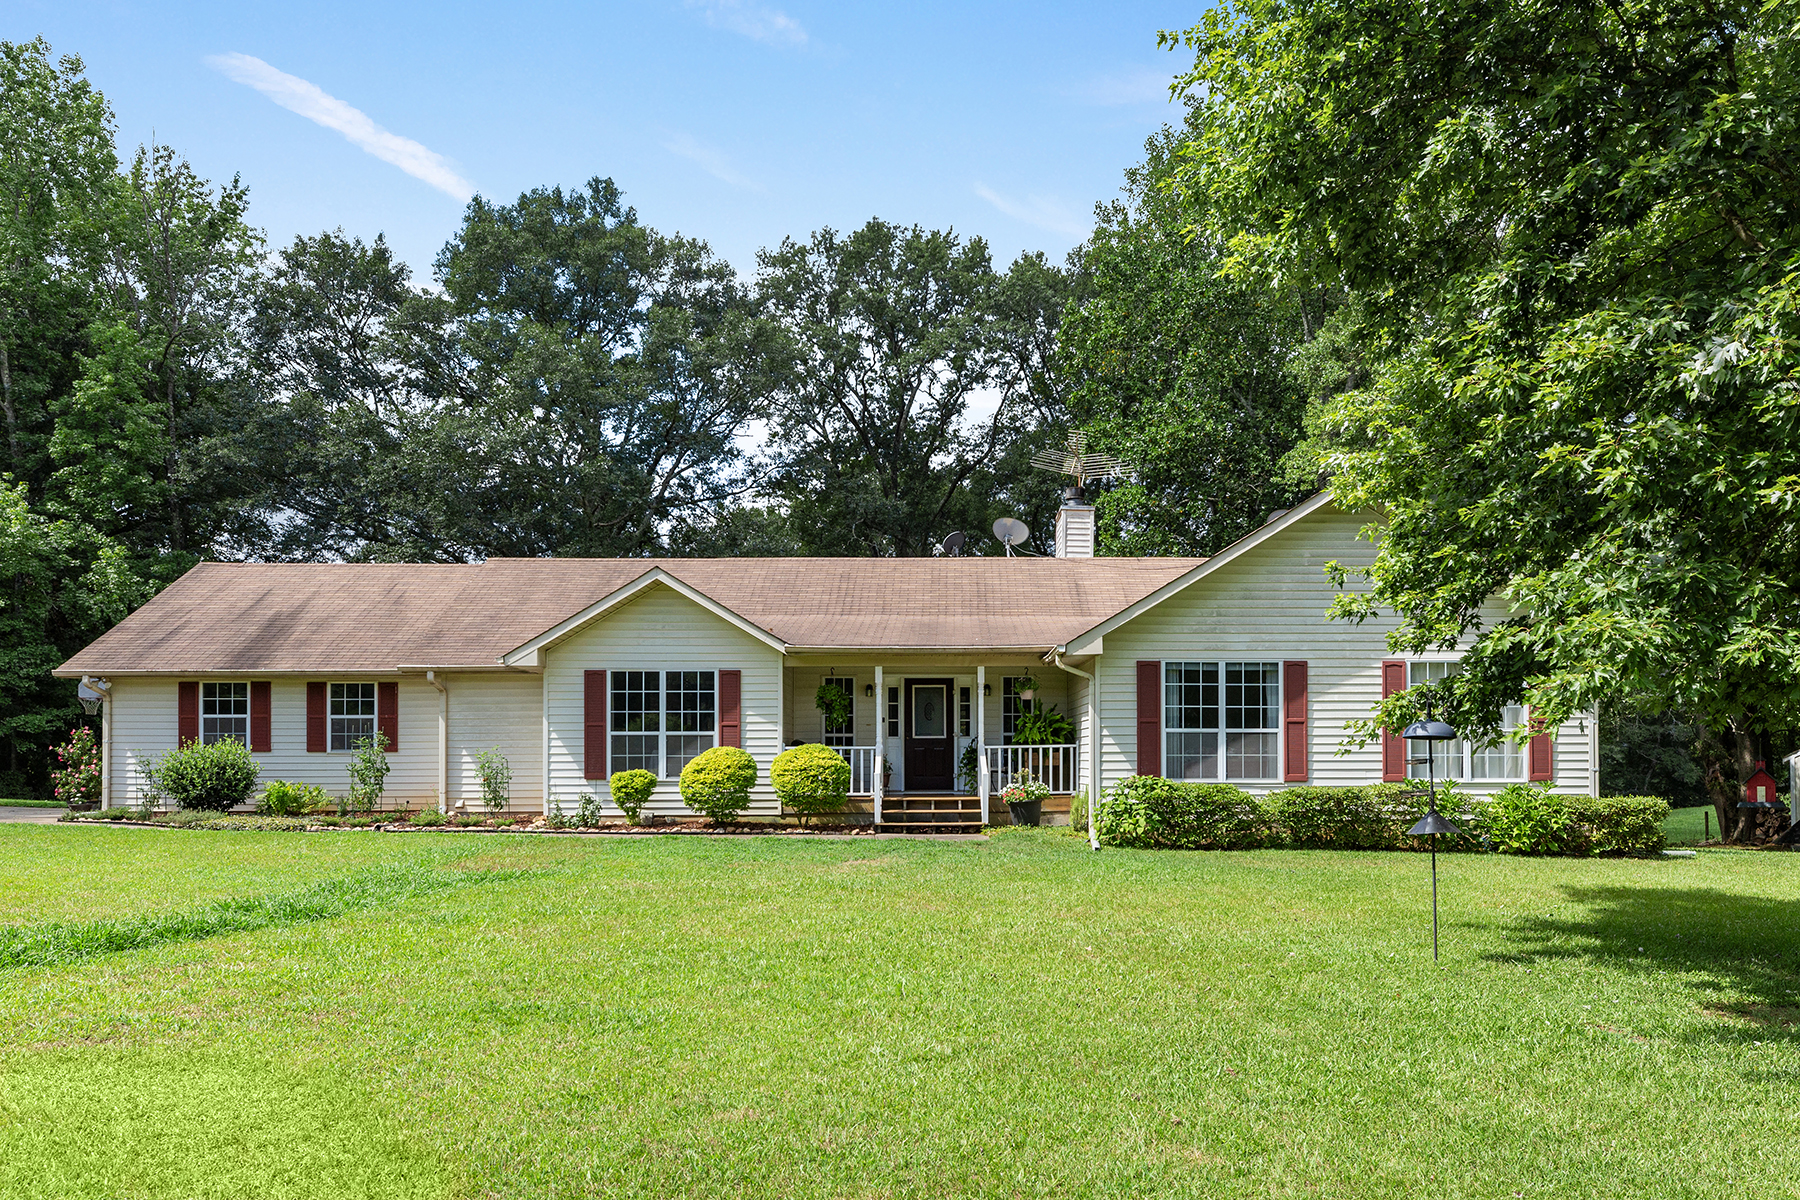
(1501, 761)
(1222, 720)
(352, 714)
(224, 712)
(842, 733)
(662, 720)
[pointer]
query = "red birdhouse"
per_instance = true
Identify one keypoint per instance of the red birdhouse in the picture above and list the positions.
(1759, 789)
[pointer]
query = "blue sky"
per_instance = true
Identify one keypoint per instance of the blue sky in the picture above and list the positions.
(739, 123)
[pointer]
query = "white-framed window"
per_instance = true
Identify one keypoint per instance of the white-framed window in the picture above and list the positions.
(893, 712)
(351, 715)
(844, 732)
(224, 712)
(661, 720)
(1222, 720)
(1012, 707)
(1502, 761)
(965, 713)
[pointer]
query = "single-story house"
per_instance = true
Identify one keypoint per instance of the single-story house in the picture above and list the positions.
(1223, 668)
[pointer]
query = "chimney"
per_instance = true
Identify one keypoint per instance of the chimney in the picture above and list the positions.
(1074, 526)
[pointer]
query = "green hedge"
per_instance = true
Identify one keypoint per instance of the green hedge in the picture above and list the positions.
(1150, 812)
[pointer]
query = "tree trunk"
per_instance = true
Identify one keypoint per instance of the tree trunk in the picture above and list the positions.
(6, 403)
(1729, 760)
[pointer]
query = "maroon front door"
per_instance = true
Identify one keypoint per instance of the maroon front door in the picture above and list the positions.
(930, 739)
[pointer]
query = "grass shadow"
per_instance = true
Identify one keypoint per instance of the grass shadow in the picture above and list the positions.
(1740, 954)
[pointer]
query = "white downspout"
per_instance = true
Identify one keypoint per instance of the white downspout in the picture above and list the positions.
(105, 690)
(1093, 749)
(443, 740)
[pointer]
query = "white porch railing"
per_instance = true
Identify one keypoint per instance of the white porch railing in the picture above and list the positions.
(862, 768)
(1055, 766)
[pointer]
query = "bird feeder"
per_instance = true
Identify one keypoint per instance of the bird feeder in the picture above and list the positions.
(1759, 789)
(1431, 731)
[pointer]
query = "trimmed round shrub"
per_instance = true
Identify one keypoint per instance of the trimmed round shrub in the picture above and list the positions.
(717, 783)
(216, 777)
(811, 779)
(631, 790)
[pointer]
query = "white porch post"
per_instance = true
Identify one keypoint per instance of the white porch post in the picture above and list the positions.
(880, 740)
(981, 763)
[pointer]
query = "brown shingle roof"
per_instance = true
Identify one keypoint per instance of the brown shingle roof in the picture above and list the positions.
(237, 617)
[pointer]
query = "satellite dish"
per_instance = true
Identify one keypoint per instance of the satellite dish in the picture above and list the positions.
(952, 543)
(1011, 532)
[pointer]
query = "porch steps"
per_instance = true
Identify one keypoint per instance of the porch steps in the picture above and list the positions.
(930, 814)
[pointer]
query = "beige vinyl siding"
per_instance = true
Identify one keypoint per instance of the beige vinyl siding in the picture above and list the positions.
(489, 711)
(661, 630)
(144, 719)
(1270, 604)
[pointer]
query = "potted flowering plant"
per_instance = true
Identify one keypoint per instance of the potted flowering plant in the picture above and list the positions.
(1024, 798)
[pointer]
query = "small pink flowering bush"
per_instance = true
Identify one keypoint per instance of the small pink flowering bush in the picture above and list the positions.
(78, 780)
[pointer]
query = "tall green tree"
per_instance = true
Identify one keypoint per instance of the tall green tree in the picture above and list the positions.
(178, 268)
(56, 168)
(1573, 229)
(890, 337)
(1185, 374)
(600, 373)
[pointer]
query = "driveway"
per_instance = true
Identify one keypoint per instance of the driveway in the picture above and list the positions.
(28, 816)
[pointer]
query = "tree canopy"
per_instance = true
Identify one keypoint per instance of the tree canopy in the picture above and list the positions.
(1571, 231)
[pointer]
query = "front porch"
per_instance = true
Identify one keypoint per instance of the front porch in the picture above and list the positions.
(930, 741)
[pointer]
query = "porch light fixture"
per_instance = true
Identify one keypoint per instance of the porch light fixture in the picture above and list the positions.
(1430, 731)
(868, 689)
(987, 689)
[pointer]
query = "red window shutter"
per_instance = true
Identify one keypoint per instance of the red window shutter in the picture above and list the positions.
(1393, 749)
(593, 725)
(187, 712)
(315, 718)
(259, 716)
(1293, 722)
(387, 713)
(731, 708)
(1149, 717)
(1540, 755)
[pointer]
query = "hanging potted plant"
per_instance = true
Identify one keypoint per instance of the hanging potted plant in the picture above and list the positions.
(834, 702)
(1027, 687)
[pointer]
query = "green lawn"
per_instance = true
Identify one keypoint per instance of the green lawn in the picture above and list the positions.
(1688, 826)
(531, 1017)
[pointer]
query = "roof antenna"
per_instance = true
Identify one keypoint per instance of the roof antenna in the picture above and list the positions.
(1012, 532)
(1072, 460)
(951, 545)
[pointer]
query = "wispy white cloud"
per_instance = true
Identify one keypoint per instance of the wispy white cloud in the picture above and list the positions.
(307, 99)
(1136, 85)
(710, 159)
(1043, 211)
(755, 22)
